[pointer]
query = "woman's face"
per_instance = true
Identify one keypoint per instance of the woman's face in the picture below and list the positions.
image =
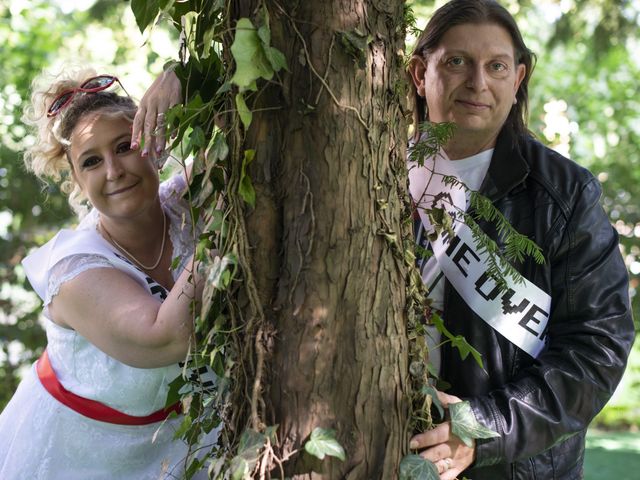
(116, 180)
(470, 79)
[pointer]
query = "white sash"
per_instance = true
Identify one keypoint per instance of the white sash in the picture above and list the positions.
(521, 312)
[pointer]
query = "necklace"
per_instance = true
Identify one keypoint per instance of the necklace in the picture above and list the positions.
(138, 262)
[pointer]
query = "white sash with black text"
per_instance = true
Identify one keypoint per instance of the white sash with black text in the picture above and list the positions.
(521, 312)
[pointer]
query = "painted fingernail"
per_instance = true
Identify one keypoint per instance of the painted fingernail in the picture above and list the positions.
(159, 149)
(134, 145)
(145, 152)
(413, 444)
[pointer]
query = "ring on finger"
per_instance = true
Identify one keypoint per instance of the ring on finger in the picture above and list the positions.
(447, 463)
(160, 119)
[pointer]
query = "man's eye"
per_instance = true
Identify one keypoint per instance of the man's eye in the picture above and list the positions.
(456, 61)
(90, 162)
(498, 67)
(123, 147)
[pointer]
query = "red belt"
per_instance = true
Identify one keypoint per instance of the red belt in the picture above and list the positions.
(91, 408)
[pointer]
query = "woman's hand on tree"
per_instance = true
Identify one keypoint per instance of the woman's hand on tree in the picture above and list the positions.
(446, 451)
(149, 122)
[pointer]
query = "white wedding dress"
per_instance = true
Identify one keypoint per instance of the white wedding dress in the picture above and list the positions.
(42, 439)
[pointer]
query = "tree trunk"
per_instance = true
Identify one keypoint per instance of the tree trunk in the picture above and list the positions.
(325, 236)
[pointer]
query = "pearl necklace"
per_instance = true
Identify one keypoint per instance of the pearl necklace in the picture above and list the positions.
(138, 262)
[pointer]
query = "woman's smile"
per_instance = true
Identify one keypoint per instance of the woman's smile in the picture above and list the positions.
(123, 189)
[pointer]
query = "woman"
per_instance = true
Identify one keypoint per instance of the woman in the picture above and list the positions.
(547, 375)
(118, 318)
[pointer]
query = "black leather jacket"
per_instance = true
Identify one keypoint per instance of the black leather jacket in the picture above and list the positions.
(542, 407)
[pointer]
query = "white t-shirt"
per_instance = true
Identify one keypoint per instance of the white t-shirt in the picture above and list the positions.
(470, 171)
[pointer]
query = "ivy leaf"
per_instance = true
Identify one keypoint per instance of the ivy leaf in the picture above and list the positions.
(219, 275)
(187, 423)
(250, 442)
(196, 139)
(245, 189)
(248, 53)
(464, 424)
(457, 341)
(355, 44)
(146, 11)
(239, 468)
(465, 349)
(323, 442)
(276, 58)
(429, 390)
(217, 149)
(270, 433)
(414, 467)
(265, 33)
(245, 114)
(249, 446)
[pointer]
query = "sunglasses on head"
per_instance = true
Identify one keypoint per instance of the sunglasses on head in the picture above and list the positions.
(92, 85)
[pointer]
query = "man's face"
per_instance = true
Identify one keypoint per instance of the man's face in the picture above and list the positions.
(470, 79)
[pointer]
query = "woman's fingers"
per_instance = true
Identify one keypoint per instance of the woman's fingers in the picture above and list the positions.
(149, 124)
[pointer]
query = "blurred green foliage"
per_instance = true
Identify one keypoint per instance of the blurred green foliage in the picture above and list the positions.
(583, 101)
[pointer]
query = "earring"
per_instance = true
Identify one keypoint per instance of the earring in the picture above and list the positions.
(515, 100)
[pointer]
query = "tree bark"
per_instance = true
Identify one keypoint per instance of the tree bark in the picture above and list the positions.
(325, 236)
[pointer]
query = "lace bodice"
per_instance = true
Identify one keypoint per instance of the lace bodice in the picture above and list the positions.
(179, 233)
(80, 366)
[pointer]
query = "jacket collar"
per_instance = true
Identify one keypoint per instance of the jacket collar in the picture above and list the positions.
(508, 167)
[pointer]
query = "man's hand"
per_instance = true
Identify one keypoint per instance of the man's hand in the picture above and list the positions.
(446, 451)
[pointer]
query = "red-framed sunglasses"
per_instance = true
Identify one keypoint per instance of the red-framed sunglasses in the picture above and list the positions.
(92, 85)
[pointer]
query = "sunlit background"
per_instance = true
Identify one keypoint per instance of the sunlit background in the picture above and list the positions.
(583, 102)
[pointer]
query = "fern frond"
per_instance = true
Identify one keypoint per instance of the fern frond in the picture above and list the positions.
(434, 136)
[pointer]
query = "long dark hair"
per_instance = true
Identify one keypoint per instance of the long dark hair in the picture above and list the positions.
(459, 12)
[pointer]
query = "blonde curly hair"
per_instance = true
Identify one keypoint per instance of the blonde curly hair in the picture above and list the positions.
(48, 157)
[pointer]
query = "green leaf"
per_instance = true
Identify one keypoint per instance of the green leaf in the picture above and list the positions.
(217, 149)
(323, 442)
(245, 114)
(355, 44)
(239, 468)
(248, 53)
(187, 423)
(429, 390)
(265, 35)
(216, 277)
(271, 433)
(196, 138)
(174, 388)
(245, 189)
(464, 424)
(276, 58)
(146, 11)
(457, 341)
(249, 446)
(465, 349)
(414, 467)
(250, 441)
